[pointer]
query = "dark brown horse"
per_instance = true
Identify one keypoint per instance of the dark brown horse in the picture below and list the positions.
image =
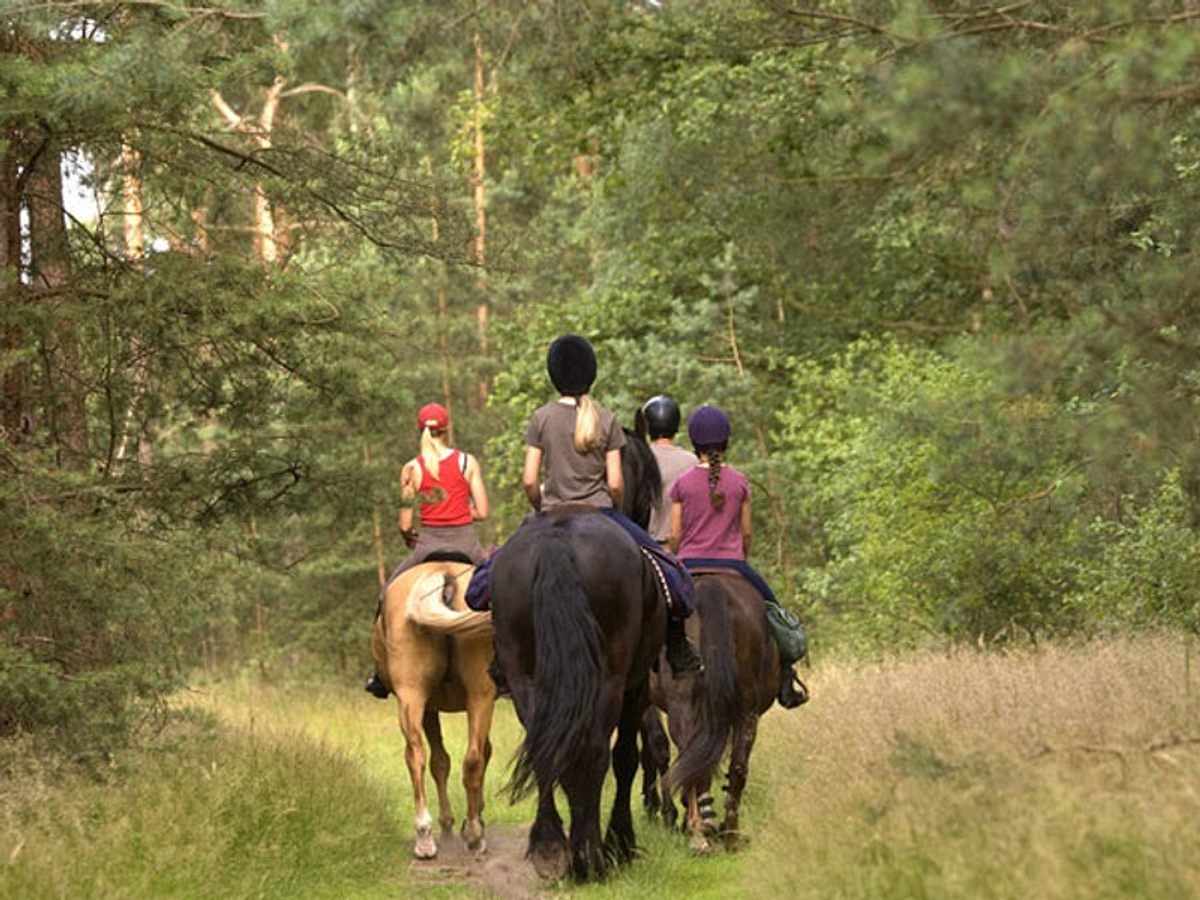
(578, 622)
(722, 706)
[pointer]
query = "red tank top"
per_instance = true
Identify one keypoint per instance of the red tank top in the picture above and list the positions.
(445, 500)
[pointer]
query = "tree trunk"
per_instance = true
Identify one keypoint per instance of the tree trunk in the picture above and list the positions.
(266, 240)
(376, 529)
(133, 228)
(49, 272)
(12, 388)
(443, 319)
(480, 194)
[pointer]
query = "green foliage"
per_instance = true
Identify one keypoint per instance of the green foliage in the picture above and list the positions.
(945, 505)
(937, 260)
(1145, 575)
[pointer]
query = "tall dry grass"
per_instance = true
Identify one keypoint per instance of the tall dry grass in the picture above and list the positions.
(1067, 771)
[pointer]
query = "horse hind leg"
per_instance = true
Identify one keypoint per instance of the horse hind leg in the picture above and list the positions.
(439, 767)
(655, 759)
(739, 771)
(699, 819)
(548, 848)
(619, 841)
(479, 751)
(583, 787)
(412, 709)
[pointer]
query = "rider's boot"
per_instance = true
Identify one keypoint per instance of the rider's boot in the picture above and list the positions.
(792, 691)
(376, 688)
(681, 655)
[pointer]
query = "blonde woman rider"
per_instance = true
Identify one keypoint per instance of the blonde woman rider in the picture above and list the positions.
(441, 488)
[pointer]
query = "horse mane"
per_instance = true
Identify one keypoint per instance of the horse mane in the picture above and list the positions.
(643, 481)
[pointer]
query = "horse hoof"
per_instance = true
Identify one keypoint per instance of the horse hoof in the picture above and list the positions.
(472, 836)
(734, 840)
(550, 864)
(425, 848)
(700, 846)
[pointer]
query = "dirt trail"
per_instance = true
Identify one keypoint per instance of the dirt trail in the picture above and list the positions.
(502, 872)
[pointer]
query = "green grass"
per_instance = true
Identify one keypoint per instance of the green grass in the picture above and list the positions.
(1065, 772)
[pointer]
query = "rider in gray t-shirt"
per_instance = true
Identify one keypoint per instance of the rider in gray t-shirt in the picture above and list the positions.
(572, 476)
(661, 416)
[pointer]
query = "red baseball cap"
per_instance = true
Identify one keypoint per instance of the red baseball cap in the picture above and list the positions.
(434, 416)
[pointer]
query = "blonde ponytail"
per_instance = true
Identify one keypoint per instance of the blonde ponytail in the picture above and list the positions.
(429, 452)
(587, 424)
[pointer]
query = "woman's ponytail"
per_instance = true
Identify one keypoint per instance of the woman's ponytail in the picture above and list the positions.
(586, 424)
(429, 452)
(715, 497)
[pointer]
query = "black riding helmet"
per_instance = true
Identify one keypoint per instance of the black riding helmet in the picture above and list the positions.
(571, 363)
(662, 416)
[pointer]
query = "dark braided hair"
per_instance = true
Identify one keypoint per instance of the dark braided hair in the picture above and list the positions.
(713, 453)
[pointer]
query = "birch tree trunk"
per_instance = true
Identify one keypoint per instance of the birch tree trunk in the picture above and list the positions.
(134, 231)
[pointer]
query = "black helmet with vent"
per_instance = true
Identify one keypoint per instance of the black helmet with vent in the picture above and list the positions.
(662, 416)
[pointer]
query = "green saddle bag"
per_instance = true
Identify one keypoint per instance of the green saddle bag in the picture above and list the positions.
(788, 632)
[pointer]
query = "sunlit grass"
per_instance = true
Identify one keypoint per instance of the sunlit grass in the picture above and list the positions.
(1062, 772)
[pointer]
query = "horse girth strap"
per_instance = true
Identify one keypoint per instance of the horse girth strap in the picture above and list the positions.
(662, 578)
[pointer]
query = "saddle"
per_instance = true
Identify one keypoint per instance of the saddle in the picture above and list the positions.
(716, 570)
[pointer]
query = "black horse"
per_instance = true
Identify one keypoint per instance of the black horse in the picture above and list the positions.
(578, 621)
(643, 488)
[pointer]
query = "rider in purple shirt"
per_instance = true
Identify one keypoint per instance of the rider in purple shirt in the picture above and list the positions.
(710, 521)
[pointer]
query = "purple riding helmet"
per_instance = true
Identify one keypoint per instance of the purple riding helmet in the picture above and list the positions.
(708, 427)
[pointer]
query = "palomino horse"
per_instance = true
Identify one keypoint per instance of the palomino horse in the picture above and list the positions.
(739, 683)
(434, 653)
(578, 622)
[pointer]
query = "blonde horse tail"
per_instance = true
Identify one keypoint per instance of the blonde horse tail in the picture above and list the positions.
(586, 424)
(427, 607)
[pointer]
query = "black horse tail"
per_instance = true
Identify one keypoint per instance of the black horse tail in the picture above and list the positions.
(715, 698)
(643, 481)
(562, 731)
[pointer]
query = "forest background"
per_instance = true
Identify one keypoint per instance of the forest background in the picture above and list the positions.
(937, 260)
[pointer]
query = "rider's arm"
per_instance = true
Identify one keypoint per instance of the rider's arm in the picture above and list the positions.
(745, 522)
(531, 476)
(612, 473)
(479, 497)
(676, 526)
(408, 497)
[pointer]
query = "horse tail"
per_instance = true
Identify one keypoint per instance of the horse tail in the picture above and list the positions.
(715, 699)
(427, 607)
(569, 673)
(643, 481)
